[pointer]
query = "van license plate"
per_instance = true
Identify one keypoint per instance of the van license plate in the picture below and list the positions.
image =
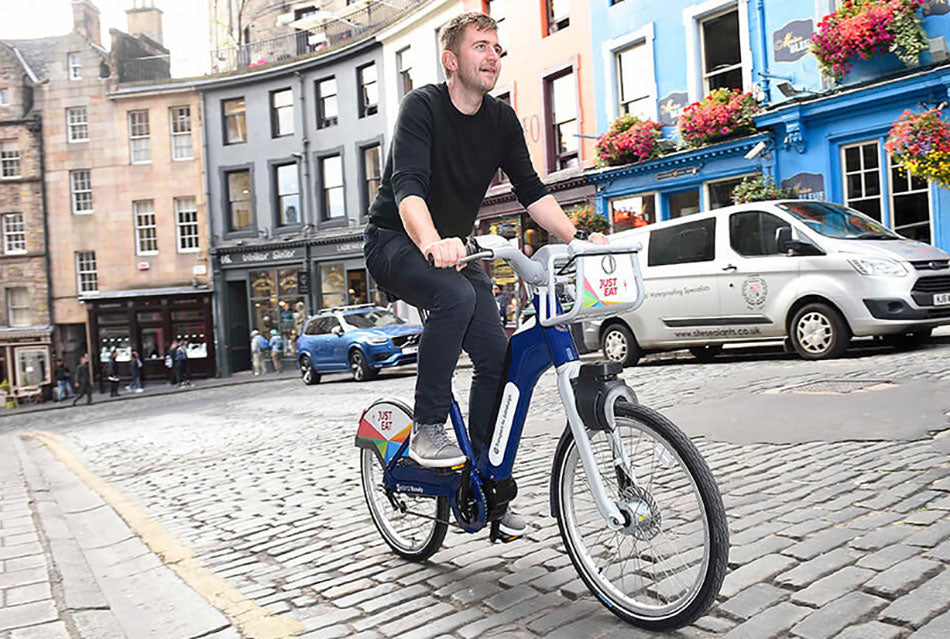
(941, 299)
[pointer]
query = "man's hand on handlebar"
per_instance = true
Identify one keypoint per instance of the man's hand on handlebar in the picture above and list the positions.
(446, 253)
(597, 238)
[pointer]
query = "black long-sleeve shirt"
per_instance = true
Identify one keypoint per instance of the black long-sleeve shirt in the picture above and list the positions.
(448, 159)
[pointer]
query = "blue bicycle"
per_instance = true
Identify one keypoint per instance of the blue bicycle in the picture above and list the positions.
(637, 507)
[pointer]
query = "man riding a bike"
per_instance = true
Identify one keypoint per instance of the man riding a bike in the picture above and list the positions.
(448, 143)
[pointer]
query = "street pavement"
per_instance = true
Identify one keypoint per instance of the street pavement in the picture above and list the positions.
(835, 477)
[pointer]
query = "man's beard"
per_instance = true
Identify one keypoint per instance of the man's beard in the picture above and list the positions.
(477, 82)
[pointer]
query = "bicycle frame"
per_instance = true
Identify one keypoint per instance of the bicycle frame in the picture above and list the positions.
(530, 353)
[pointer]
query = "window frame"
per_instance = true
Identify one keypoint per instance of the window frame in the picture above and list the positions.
(324, 122)
(173, 121)
(892, 193)
(145, 222)
(73, 66)
(14, 234)
(72, 126)
(846, 200)
(655, 195)
(707, 75)
(225, 118)
(13, 161)
(92, 273)
(365, 200)
(693, 15)
(180, 236)
(323, 219)
(275, 130)
(75, 193)
(5, 96)
(225, 172)
(138, 137)
(707, 193)
(366, 109)
(553, 23)
(554, 159)
(501, 22)
(610, 51)
(275, 166)
(404, 71)
(26, 306)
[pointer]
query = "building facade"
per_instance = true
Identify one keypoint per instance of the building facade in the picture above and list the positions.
(26, 360)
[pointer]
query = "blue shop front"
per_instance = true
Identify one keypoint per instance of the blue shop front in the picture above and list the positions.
(678, 184)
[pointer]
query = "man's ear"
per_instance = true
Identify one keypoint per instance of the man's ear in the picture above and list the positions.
(450, 61)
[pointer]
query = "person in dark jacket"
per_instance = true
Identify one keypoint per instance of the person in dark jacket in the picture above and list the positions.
(63, 377)
(112, 374)
(83, 383)
(136, 365)
(502, 301)
(171, 362)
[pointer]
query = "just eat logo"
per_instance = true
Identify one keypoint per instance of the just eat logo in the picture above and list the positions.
(608, 286)
(385, 419)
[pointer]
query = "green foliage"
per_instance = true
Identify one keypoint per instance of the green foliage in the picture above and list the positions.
(756, 188)
(586, 218)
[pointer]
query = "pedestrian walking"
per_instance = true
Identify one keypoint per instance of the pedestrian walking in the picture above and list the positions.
(502, 301)
(83, 382)
(136, 365)
(170, 358)
(112, 374)
(64, 387)
(258, 348)
(277, 351)
(181, 365)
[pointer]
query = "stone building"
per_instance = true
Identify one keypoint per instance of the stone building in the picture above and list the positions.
(25, 326)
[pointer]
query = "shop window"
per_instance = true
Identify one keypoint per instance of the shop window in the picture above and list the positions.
(558, 14)
(74, 66)
(404, 71)
(368, 89)
(753, 233)
(32, 366)
(153, 343)
(632, 211)
(683, 203)
(146, 230)
(239, 199)
(721, 51)
(332, 285)
(186, 224)
(331, 178)
(191, 336)
(287, 180)
(180, 123)
(80, 184)
(683, 243)
(910, 204)
(19, 309)
(115, 338)
(282, 112)
(87, 278)
(862, 178)
(9, 159)
(140, 144)
(498, 9)
(561, 114)
(372, 173)
(77, 124)
(235, 123)
(634, 80)
(327, 108)
(719, 193)
(14, 234)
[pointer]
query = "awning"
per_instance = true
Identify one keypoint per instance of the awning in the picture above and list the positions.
(144, 292)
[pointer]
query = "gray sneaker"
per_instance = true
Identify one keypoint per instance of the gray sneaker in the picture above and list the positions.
(429, 446)
(512, 524)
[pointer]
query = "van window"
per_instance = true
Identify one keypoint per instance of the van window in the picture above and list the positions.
(683, 243)
(752, 233)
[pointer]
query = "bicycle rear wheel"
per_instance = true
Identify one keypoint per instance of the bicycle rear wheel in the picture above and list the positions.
(664, 569)
(413, 526)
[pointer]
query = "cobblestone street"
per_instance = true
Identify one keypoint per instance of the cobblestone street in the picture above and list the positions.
(835, 532)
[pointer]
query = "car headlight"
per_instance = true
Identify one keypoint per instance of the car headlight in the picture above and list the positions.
(878, 266)
(377, 341)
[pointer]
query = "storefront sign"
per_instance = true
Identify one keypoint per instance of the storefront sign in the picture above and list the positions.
(790, 43)
(671, 108)
(936, 7)
(675, 173)
(257, 257)
(806, 186)
(347, 245)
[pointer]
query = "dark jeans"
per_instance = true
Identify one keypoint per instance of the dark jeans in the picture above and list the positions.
(462, 314)
(84, 390)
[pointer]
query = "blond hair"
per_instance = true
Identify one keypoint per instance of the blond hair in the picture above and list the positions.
(450, 37)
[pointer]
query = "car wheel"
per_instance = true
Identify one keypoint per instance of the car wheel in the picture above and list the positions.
(307, 374)
(619, 345)
(706, 353)
(362, 371)
(819, 332)
(908, 340)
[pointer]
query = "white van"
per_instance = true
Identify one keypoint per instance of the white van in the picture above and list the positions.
(816, 273)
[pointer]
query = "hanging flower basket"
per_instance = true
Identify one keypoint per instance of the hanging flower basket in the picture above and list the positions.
(757, 188)
(629, 140)
(586, 218)
(920, 143)
(722, 114)
(866, 28)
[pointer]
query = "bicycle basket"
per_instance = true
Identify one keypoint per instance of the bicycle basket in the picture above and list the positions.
(589, 286)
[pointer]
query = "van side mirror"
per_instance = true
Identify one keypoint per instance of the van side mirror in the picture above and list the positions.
(785, 243)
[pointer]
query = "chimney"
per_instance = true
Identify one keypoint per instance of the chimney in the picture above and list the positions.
(145, 19)
(86, 20)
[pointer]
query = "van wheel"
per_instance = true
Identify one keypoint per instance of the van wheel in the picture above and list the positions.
(706, 353)
(619, 345)
(819, 332)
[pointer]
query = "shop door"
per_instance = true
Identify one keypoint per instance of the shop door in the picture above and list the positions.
(356, 287)
(238, 333)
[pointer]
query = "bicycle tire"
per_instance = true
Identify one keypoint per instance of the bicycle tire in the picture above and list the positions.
(378, 504)
(713, 563)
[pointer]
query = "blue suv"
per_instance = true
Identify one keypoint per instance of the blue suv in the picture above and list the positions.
(362, 339)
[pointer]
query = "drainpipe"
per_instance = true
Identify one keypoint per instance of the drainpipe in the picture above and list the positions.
(308, 214)
(216, 291)
(763, 41)
(36, 128)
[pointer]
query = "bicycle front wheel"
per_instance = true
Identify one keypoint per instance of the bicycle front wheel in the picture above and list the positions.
(412, 525)
(664, 569)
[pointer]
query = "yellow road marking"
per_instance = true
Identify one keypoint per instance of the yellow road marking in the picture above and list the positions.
(250, 619)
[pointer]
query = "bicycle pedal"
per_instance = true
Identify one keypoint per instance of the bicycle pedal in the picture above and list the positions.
(495, 535)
